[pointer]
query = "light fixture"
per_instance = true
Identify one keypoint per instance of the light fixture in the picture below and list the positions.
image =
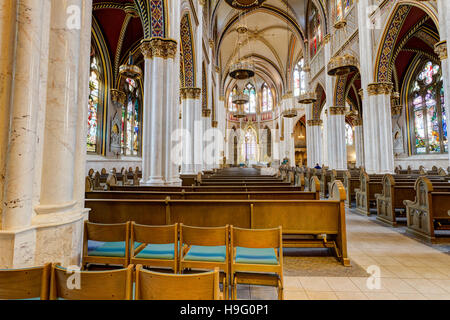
(342, 65)
(245, 4)
(129, 70)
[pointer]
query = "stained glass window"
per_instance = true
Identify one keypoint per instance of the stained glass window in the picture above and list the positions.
(131, 121)
(93, 106)
(339, 13)
(347, 5)
(267, 99)
(250, 107)
(429, 119)
(250, 146)
(349, 134)
(315, 30)
(232, 107)
(299, 79)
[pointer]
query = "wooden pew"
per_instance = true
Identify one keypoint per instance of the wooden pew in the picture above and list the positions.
(429, 212)
(305, 223)
(207, 188)
(325, 177)
(369, 186)
(395, 191)
(351, 183)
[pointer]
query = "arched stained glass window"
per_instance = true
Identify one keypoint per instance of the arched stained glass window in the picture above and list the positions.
(131, 121)
(250, 107)
(267, 99)
(316, 36)
(250, 145)
(429, 120)
(349, 134)
(93, 107)
(299, 78)
(232, 107)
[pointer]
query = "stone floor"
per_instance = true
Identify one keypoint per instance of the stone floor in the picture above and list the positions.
(408, 269)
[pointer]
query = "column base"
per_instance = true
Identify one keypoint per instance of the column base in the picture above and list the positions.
(36, 245)
(154, 181)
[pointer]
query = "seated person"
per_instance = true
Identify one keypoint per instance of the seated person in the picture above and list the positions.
(317, 166)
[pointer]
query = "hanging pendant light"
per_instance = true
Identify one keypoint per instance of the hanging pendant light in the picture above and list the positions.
(130, 70)
(289, 108)
(245, 4)
(242, 69)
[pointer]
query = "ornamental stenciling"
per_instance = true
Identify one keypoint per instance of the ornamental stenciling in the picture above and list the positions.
(385, 57)
(152, 14)
(339, 97)
(188, 52)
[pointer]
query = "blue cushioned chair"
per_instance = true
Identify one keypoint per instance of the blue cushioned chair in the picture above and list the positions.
(257, 258)
(25, 284)
(157, 245)
(206, 248)
(91, 285)
(106, 244)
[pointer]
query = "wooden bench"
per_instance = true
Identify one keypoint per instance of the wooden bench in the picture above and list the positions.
(208, 188)
(430, 211)
(351, 183)
(395, 191)
(305, 223)
(369, 186)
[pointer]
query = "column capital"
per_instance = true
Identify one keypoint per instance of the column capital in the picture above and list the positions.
(397, 110)
(314, 122)
(337, 111)
(380, 88)
(118, 96)
(206, 113)
(190, 93)
(222, 98)
(202, 2)
(214, 124)
(441, 50)
(361, 93)
(159, 47)
(327, 38)
(357, 122)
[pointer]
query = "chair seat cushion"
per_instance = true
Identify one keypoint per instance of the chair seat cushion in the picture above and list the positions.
(158, 251)
(206, 253)
(107, 249)
(256, 256)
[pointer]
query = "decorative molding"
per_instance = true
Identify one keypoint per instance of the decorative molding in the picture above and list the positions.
(314, 123)
(206, 113)
(190, 93)
(380, 88)
(337, 111)
(441, 50)
(159, 48)
(214, 124)
(118, 96)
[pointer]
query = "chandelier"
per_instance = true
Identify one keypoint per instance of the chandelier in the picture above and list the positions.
(130, 70)
(245, 4)
(289, 106)
(342, 65)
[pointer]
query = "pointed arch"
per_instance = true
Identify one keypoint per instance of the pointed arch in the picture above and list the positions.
(187, 64)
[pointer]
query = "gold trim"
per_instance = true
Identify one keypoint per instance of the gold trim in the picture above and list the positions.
(206, 113)
(314, 122)
(441, 50)
(190, 93)
(118, 96)
(380, 88)
(337, 111)
(159, 48)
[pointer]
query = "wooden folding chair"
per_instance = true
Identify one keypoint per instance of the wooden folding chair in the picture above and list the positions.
(206, 248)
(106, 244)
(157, 245)
(257, 258)
(91, 285)
(162, 286)
(27, 283)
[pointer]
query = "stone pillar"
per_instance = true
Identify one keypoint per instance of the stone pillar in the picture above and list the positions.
(336, 121)
(441, 49)
(158, 110)
(379, 114)
(359, 140)
(190, 97)
(173, 97)
(329, 92)
(207, 138)
(8, 10)
(314, 143)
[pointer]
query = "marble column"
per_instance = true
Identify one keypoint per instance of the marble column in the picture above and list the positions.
(158, 110)
(173, 100)
(190, 98)
(329, 93)
(442, 51)
(8, 9)
(314, 143)
(338, 147)
(379, 113)
(359, 143)
(208, 141)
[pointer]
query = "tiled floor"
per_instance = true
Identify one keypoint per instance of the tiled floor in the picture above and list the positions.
(408, 270)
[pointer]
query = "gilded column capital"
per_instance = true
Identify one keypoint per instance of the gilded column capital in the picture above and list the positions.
(397, 110)
(441, 50)
(361, 93)
(190, 93)
(206, 113)
(327, 38)
(202, 2)
(118, 96)
(380, 88)
(214, 124)
(222, 98)
(159, 47)
(211, 43)
(337, 111)
(357, 122)
(314, 122)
